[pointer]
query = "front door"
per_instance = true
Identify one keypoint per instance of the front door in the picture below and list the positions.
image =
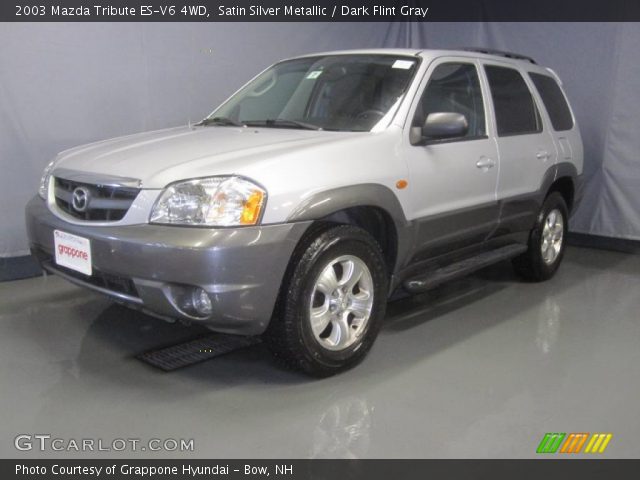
(453, 181)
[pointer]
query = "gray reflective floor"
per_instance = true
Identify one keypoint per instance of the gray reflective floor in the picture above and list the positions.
(482, 367)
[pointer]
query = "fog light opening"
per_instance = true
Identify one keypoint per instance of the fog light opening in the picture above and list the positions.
(191, 301)
(201, 302)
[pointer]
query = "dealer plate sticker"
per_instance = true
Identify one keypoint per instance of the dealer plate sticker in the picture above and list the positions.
(73, 252)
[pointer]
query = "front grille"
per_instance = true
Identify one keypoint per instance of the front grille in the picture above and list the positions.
(104, 203)
(109, 281)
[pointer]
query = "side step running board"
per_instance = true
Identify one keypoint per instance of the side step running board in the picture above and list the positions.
(428, 280)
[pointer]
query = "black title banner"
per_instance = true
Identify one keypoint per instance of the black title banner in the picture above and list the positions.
(317, 10)
(318, 469)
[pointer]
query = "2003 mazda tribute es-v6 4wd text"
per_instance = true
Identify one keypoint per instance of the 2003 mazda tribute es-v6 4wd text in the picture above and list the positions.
(320, 188)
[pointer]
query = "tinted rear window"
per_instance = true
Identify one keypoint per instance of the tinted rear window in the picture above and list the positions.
(554, 101)
(516, 112)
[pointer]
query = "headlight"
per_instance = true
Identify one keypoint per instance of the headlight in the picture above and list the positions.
(214, 201)
(43, 190)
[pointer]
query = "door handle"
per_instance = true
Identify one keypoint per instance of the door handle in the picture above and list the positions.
(542, 155)
(485, 163)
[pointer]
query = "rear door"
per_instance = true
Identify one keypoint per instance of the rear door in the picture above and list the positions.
(525, 145)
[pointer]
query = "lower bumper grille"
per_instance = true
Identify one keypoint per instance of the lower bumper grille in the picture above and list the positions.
(103, 281)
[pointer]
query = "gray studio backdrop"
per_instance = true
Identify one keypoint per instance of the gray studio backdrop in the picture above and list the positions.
(66, 84)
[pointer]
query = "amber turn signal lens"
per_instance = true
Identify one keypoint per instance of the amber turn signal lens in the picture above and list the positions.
(252, 208)
(400, 184)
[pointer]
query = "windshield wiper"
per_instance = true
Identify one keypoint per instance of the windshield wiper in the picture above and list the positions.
(220, 121)
(283, 122)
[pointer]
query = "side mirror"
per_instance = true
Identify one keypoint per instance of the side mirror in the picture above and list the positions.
(440, 126)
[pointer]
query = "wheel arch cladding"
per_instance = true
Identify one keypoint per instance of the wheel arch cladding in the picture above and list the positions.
(372, 207)
(560, 178)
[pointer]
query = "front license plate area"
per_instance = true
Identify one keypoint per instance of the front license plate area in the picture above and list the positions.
(73, 252)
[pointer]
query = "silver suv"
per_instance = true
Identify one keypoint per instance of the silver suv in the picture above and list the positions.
(320, 188)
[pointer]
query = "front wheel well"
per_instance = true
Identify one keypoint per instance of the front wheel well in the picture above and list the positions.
(376, 222)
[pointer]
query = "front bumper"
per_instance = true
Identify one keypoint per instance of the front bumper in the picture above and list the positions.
(139, 265)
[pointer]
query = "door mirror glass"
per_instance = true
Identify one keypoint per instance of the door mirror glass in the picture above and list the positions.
(442, 125)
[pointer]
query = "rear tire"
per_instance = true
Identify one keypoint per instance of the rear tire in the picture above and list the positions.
(547, 241)
(332, 302)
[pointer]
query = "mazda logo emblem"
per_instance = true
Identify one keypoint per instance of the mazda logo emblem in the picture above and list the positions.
(80, 199)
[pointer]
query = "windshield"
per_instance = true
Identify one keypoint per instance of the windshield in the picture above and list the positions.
(336, 92)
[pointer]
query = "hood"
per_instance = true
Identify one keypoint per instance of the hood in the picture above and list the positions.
(164, 156)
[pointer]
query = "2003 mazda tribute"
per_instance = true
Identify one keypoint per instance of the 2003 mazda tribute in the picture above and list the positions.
(317, 190)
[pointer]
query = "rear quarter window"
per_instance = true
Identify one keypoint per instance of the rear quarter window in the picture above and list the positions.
(554, 101)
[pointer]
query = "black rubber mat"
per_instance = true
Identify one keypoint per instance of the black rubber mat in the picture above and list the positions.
(196, 351)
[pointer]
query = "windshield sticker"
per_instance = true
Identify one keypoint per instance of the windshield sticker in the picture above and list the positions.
(403, 64)
(314, 74)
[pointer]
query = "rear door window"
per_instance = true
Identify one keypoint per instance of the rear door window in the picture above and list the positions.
(515, 109)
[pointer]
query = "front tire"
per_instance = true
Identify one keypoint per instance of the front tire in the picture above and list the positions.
(547, 241)
(332, 302)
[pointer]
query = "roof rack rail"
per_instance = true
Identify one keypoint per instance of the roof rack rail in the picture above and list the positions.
(500, 53)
